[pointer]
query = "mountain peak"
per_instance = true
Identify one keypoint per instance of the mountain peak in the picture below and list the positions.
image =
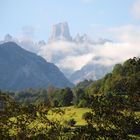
(82, 38)
(10, 45)
(60, 31)
(21, 69)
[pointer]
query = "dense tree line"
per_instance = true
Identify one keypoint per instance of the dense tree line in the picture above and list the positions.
(124, 80)
(114, 100)
(110, 119)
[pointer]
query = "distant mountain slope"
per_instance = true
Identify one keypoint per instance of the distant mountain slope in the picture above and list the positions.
(65, 50)
(90, 71)
(20, 69)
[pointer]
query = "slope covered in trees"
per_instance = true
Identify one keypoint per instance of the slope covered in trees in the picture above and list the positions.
(124, 81)
(114, 100)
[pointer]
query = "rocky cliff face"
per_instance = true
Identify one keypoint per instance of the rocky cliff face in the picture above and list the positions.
(60, 31)
(83, 39)
(20, 69)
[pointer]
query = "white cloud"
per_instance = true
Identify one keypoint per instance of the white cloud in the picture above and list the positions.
(67, 54)
(128, 33)
(136, 9)
(75, 62)
(73, 56)
(127, 46)
(28, 31)
(118, 52)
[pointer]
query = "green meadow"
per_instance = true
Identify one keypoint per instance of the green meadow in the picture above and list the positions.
(69, 113)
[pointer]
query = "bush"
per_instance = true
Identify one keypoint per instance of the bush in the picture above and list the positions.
(83, 103)
(71, 122)
(88, 116)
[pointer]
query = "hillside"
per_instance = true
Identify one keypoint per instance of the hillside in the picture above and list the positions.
(20, 69)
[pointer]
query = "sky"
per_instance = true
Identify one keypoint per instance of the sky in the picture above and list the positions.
(34, 18)
(116, 20)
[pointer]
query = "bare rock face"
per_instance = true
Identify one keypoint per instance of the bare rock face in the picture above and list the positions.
(83, 39)
(60, 31)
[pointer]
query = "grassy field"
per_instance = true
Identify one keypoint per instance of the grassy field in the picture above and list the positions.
(69, 113)
(66, 114)
(62, 114)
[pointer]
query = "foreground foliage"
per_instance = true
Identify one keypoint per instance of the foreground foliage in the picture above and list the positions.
(114, 101)
(109, 119)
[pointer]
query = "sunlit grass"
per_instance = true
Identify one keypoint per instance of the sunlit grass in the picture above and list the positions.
(69, 113)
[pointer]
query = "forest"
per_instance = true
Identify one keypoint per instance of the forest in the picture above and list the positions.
(112, 107)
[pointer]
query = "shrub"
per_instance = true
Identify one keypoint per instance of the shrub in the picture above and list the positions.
(71, 122)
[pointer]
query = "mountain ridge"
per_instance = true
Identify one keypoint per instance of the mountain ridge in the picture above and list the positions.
(61, 47)
(21, 69)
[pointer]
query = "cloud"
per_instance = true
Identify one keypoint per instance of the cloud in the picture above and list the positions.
(117, 52)
(73, 56)
(28, 31)
(75, 62)
(67, 54)
(136, 9)
(27, 38)
(128, 33)
(127, 45)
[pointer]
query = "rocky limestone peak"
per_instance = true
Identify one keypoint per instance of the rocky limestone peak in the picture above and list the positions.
(60, 31)
(41, 43)
(82, 38)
